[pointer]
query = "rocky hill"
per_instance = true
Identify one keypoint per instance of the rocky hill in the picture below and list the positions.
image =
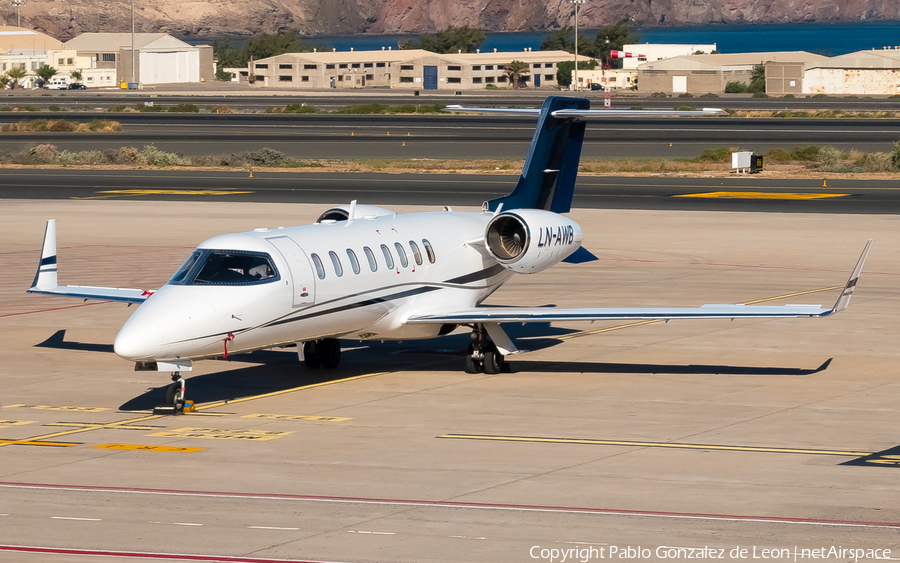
(211, 18)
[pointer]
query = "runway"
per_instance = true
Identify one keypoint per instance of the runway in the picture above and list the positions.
(760, 434)
(743, 193)
(448, 136)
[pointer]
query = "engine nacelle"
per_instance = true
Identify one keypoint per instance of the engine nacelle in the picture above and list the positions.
(531, 240)
(342, 212)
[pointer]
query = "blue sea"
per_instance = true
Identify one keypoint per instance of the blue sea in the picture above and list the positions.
(822, 38)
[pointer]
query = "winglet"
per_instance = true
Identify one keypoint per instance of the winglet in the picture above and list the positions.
(844, 300)
(46, 276)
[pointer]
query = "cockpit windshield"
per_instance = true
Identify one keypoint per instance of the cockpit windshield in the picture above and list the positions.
(226, 267)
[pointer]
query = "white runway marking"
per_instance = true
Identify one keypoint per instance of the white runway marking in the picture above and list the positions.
(376, 533)
(437, 505)
(270, 528)
(469, 537)
(72, 518)
(186, 524)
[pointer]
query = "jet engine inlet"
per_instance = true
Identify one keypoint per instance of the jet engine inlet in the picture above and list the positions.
(507, 238)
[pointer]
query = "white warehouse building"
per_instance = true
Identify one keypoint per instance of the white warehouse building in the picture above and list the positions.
(159, 58)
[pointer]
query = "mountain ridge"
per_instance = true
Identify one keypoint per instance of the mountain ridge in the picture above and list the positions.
(217, 18)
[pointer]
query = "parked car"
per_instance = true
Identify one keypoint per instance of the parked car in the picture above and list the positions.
(57, 84)
(77, 86)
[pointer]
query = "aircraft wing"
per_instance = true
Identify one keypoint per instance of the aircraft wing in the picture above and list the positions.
(495, 315)
(45, 280)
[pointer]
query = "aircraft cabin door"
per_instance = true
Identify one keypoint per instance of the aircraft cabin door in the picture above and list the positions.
(301, 273)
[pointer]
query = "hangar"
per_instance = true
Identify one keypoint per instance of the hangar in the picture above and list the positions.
(701, 74)
(159, 58)
(875, 72)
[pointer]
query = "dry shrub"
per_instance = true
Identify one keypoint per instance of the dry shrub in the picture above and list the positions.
(46, 153)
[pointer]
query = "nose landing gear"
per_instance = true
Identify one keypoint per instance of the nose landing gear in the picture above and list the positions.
(174, 397)
(483, 355)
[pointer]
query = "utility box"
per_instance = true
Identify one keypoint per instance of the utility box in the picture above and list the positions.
(745, 161)
(756, 163)
(741, 160)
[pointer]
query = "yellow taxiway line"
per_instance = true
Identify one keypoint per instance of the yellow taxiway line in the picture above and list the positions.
(761, 195)
(654, 445)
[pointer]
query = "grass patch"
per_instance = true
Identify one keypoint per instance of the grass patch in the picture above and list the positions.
(184, 108)
(61, 126)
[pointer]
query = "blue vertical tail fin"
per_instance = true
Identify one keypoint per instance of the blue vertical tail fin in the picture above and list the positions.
(548, 178)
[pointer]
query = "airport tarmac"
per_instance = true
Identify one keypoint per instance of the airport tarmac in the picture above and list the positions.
(747, 434)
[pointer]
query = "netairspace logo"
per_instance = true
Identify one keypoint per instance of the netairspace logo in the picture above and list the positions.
(586, 554)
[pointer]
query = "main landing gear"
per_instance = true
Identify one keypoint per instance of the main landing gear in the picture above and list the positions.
(325, 353)
(483, 355)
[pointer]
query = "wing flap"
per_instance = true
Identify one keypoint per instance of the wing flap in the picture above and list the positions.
(532, 314)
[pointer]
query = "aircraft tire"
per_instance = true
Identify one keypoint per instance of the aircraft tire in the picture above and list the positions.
(311, 355)
(330, 353)
(175, 395)
(472, 365)
(493, 362)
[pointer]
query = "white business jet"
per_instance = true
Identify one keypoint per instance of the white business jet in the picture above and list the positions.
(367, 273)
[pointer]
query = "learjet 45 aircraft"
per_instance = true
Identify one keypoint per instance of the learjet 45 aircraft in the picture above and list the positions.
(367, 273)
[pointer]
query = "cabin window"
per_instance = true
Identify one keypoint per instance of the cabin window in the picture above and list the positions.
(373, 265)
(416, 254)
(320, 269)
(226, 267)
(428, 250)
(387, 256)
(401, 254)
(336, 262)
(354, 263)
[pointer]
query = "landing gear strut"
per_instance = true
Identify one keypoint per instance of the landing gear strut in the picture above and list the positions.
(482, 355)
(325, 353)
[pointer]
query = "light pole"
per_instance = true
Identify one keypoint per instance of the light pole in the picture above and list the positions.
(18, 4)
(132, 41)
(575, 70)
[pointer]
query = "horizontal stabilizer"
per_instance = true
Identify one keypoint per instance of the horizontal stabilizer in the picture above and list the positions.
(45, 280)
(592, 113)
(580, 256)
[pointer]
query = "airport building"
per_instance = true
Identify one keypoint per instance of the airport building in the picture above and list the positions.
(413, 69)
(26, 49)
(648, 52)
(158, 58)
(874, 72)
(702, 74)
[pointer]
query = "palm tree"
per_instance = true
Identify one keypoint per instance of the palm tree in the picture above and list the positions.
(15, 74)
(45, 72)
(515, 70)
(76, 75)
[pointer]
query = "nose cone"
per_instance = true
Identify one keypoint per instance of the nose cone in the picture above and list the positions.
(138, 341)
